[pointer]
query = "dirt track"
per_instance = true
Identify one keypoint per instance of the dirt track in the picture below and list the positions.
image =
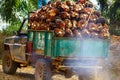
(28, 74)
(22, 74)
(114, 69)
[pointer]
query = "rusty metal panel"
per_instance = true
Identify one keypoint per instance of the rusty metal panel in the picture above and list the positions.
(17, 46)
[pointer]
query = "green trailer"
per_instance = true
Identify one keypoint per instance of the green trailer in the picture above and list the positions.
(68, 47)
(66, 53)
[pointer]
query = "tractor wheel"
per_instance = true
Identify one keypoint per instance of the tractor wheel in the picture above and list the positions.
(8, 65)
(43, 70)
(68, 73)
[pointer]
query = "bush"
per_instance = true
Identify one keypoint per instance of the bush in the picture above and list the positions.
(115, 32)
(2, 38)
(1, 43)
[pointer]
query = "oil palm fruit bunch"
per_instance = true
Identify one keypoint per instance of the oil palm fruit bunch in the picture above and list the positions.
(70, 19)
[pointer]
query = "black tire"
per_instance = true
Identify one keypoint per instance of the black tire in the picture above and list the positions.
(8, 65)
(68, 73)
(43, 70)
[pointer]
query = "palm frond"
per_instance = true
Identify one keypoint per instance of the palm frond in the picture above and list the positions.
(12, 10)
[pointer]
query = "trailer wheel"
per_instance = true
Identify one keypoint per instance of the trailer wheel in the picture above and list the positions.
(8, 65)
(43, 70)
(68, 73)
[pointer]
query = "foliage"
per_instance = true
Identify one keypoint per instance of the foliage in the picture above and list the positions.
(9, 30)
(111, 11)
(104, 7)
(114, 15)
(115, 11)
(12, 10)
(1, 43)
(115, 32)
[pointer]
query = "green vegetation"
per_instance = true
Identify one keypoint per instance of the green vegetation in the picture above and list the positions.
(14, 11)
(111, 10)
(1, 42)
(114, 14)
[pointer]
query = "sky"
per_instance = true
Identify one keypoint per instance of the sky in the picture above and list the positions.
(3, 25)
(94, 2)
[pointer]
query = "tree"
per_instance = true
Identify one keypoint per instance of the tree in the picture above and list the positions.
(12, 10)
(103, 7)
(114, 14)
(115, 11)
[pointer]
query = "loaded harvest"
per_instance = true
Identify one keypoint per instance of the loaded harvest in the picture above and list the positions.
(70, 19)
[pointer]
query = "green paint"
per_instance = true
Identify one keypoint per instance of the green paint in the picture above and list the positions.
(69, 47)
(38, 40)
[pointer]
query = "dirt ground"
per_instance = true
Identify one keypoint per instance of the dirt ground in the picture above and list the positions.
(28, 74)
(114, 67)
(22, 74)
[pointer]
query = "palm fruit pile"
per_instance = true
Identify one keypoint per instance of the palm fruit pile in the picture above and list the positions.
(70, 19)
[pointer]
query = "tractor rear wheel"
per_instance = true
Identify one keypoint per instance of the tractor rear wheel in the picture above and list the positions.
(43, 70)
